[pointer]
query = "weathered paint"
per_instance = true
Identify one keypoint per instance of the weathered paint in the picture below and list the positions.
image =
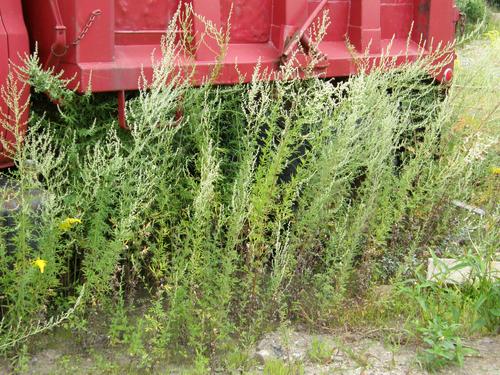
(250, 19)
(133, 15)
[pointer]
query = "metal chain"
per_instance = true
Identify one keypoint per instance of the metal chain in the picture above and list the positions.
(92, 18)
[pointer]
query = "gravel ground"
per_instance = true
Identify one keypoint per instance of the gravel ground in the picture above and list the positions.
(350, 355)
(359, 356)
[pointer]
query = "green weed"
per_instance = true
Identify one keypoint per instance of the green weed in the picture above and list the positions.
(262, 204)
(320, 352)
(278, 367)
(444, 345)
(475, 10)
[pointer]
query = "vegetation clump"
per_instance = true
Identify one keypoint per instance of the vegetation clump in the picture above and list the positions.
(236, 209)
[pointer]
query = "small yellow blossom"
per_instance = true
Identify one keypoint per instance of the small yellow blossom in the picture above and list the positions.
(40, 263)
(492, 35)
(69, 223)
(495, 170)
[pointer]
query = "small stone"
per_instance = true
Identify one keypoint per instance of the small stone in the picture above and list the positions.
(278, 350)
(263, 356)
(298, 356)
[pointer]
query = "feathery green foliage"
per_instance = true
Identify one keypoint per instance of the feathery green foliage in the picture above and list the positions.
(262, 203)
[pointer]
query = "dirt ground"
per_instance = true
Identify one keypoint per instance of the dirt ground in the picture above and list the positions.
(357, 356)
(351, 355)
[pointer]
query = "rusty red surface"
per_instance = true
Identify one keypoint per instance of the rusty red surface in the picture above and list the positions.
(109, 51)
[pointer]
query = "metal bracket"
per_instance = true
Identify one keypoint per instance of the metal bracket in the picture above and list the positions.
(301, 35)
(59, 47)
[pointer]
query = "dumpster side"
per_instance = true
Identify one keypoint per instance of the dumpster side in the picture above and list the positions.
(106, 45)
(13, 46)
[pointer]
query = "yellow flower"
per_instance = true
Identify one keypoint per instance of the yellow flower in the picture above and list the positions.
(69, 223)
(492, 35)
(40, 263)
(495, 170)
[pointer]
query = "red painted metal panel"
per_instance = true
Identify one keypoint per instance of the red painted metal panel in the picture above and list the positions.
(441, 22)
(13, 45)
(289, 12)
(96, 45)
(421, 24)
(120, 42)
(4, 71)
(143, 23)
(136, 15)
(250, 19)
(112, 41)
(364, 27)
(397, 18)
(338, 11)
(211, 10)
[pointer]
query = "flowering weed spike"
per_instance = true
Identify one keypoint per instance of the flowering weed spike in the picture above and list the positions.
(69, 223)
(41, 264)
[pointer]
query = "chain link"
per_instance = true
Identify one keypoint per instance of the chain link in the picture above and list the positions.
(92, 18)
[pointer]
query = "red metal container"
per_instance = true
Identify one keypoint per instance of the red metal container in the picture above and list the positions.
(115, 38)
(107, 43)
(13, 44)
